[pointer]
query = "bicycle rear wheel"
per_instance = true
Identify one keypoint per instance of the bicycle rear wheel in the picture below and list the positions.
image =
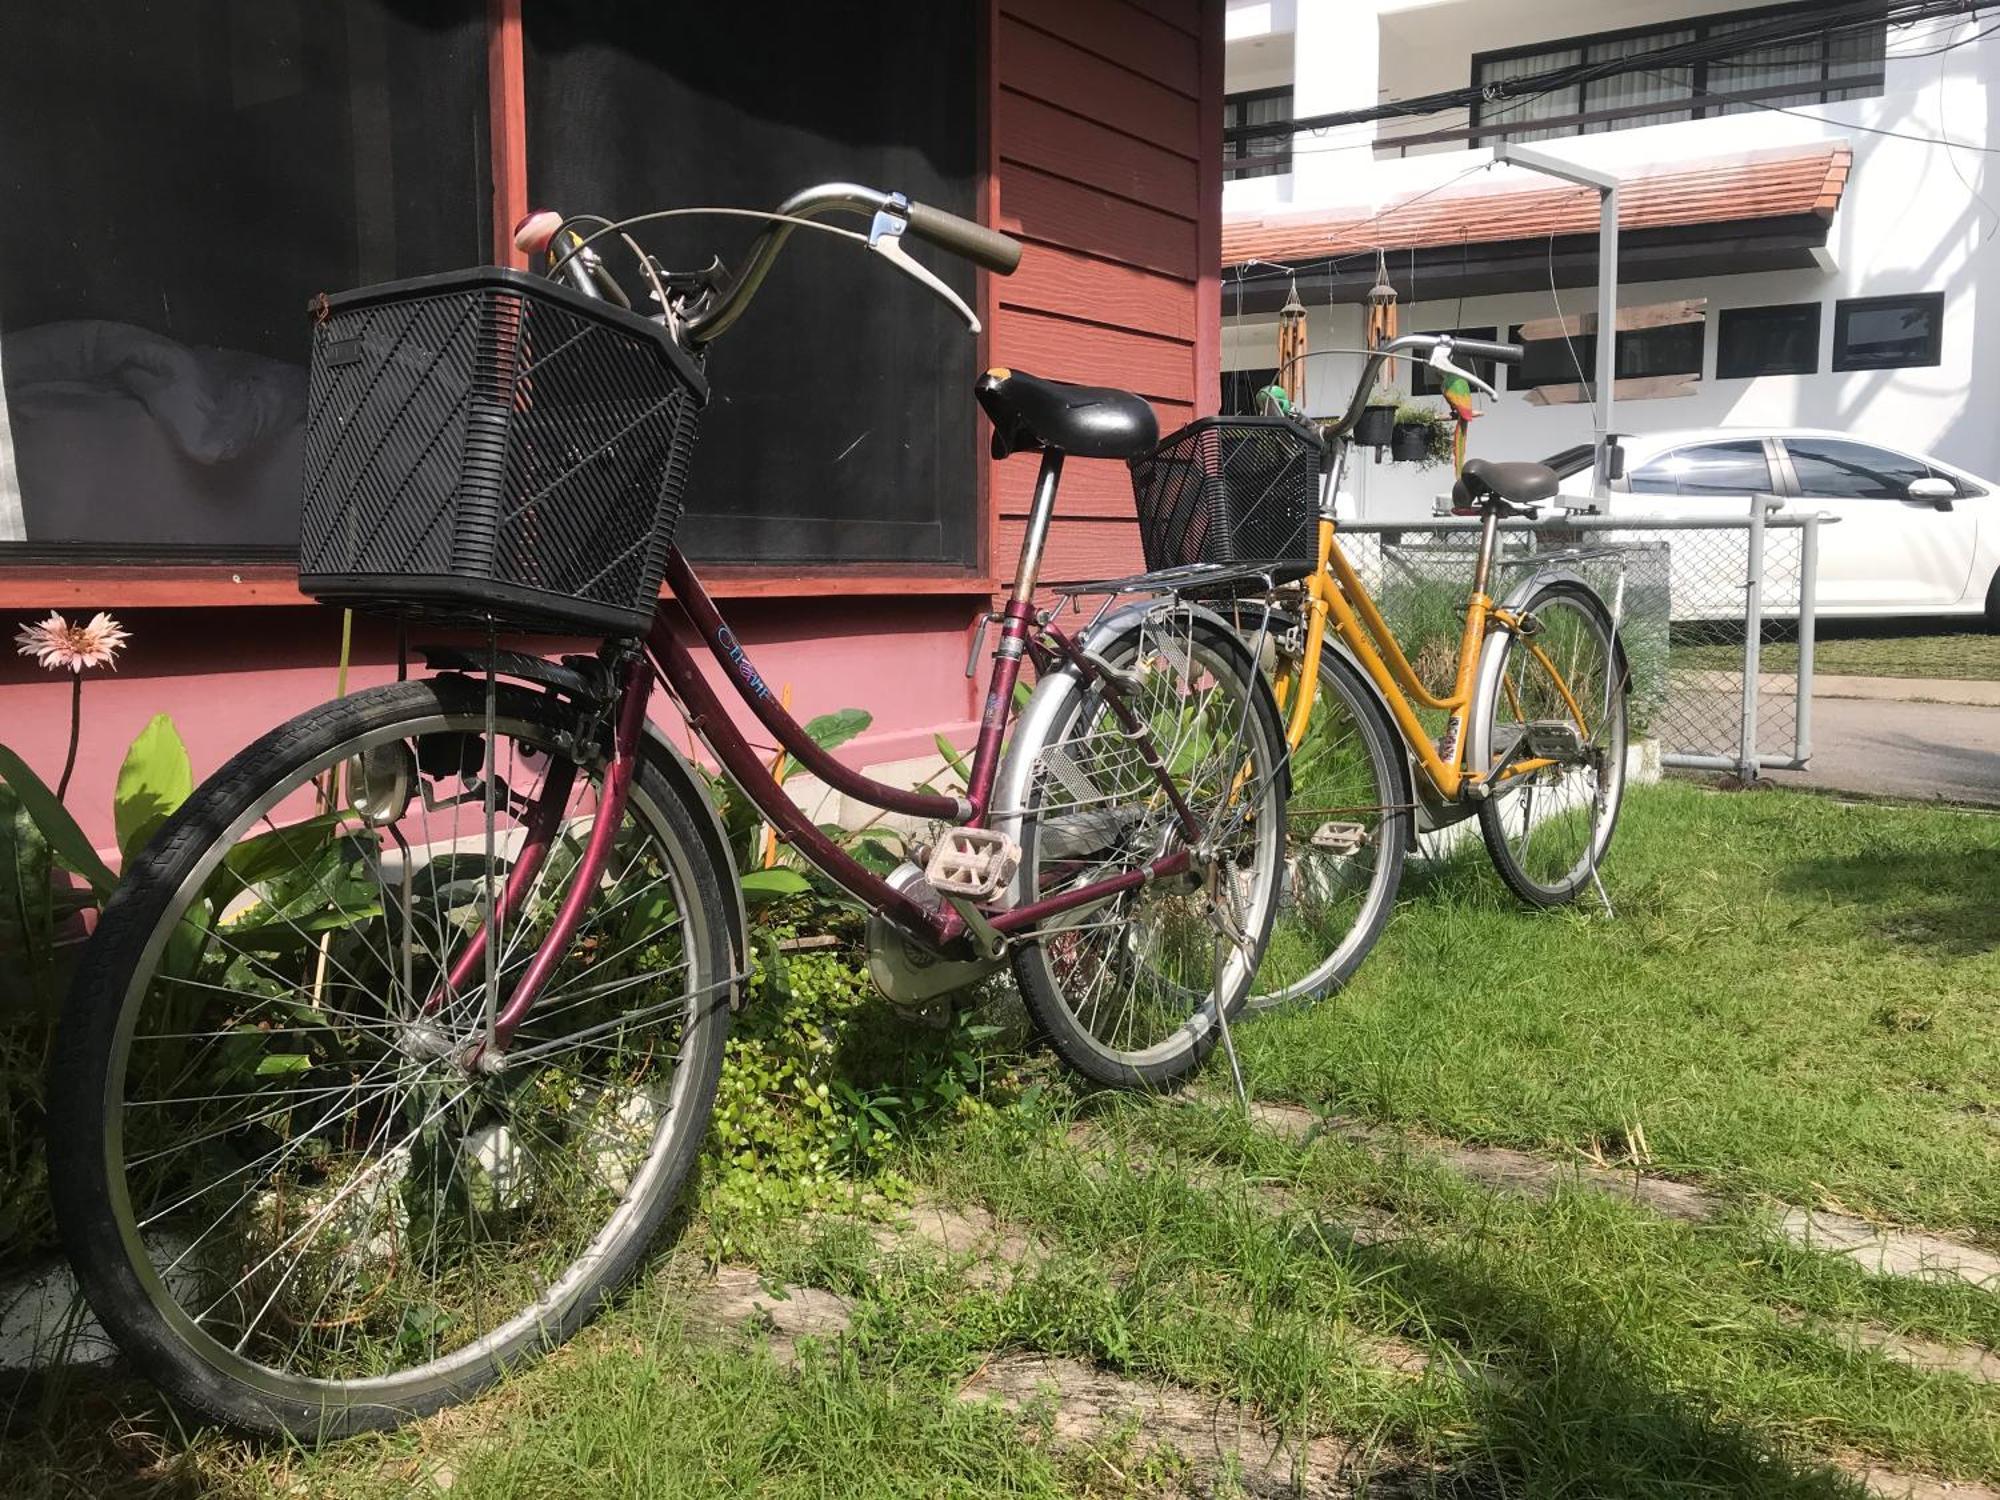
(291, 1194)
(1559, 698)
(1128, 992)
(1346, 830)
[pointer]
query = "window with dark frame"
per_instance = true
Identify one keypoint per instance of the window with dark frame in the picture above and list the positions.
(1777, 340)
(1424, 381)
(1249, 154)
(218, 165)
(1240, 388)
(825, 443)
(1819, 65)
(1888, 333)
(1673, 349)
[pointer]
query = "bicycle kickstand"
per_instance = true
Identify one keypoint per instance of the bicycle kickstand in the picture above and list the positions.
(1228, 934)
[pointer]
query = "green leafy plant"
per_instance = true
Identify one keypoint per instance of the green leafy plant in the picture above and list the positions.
(1437, 427)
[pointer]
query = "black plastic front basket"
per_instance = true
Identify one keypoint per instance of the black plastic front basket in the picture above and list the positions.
(1230, 490)
(486, 445)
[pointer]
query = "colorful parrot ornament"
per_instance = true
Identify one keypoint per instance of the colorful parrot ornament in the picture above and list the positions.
(1457, 392)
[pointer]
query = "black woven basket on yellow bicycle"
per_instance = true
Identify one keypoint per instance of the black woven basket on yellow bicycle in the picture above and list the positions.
(489, 446)
(1230, 490)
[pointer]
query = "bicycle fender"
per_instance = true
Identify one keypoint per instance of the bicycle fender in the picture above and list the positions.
(693, 792)
(1479, 745)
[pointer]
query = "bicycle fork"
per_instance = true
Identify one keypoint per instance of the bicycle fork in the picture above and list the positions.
(538, 837)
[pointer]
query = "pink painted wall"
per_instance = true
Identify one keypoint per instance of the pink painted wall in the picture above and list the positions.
(228, 675)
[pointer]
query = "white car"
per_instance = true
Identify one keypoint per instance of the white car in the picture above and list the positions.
(1915, 535)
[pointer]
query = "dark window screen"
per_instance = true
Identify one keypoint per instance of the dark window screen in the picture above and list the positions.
(1887, 333)
(179, 181)
(1674, 349)
(1767, 341)
(841, 426)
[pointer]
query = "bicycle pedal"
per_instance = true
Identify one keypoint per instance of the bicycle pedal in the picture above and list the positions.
(974, 862)
(1552, 739)
(1341, 838)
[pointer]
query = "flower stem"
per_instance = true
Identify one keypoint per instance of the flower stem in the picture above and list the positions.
(75, 730)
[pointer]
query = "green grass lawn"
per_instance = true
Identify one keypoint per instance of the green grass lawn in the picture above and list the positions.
(1795, 1001)
(1865, 649)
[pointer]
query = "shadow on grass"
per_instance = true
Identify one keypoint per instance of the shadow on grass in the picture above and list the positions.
(1945, 904)
(1571, 1411)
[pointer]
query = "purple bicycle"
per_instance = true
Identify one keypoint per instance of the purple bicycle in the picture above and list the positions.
(397, 1043)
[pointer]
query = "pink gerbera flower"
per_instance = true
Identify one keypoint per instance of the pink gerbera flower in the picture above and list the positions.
(59, 645)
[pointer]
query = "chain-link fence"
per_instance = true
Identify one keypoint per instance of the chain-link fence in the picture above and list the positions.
(1696, 602)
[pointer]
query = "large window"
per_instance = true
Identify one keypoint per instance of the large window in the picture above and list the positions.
(1245, 153)
(1888, 333)
(1767, 341)
(179, 181)
(1674, 349)
(842, 425)
(1779, 64)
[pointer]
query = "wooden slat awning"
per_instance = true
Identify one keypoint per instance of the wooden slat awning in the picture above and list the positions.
(1779, 185)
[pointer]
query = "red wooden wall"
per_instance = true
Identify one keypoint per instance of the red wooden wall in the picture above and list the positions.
(1105, 150)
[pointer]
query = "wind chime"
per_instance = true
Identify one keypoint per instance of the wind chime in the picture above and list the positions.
(1292, 350)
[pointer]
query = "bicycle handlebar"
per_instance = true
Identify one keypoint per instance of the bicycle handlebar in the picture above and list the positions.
(947, 231)
(1505, 354)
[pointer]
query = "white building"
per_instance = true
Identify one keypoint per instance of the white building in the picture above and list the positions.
(1848, 255)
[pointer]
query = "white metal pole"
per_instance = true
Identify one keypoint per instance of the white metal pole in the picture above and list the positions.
(1607, 336)
(1607, 287)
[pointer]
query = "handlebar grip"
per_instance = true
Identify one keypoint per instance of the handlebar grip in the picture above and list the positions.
(536, 228)
(977, 243)
(1500, 354)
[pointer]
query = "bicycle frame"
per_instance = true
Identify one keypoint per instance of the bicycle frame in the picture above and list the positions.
(1334, 590)
(666, 654)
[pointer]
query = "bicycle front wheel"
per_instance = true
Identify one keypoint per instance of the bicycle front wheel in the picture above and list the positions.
(1346, 829)
(292, 1194)
(1558, 711)
(1129, 991)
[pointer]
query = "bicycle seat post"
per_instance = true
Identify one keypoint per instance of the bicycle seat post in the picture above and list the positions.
(1489, 530)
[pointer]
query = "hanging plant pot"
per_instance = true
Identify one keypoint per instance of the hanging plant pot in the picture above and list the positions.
(1410, 443)
(1375, 426)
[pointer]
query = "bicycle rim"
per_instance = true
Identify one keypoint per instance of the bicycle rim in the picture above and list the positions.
(1345, 831)
(1559, 696)
(1128, 989)
(315, 1194)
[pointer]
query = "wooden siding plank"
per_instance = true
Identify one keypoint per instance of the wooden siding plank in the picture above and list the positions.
(1058, 348)
(1035, 134)
(1037, 206)
(1653, 315)
(1182, 15)
(1059, 73)
(1052, 280)
(1081, 549)
(1117, 33)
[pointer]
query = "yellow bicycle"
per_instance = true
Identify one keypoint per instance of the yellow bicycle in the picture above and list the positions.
(1529, 737)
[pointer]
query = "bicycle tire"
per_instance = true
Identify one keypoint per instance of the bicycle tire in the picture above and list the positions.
(1572, 622)
(1344, 772)
(93, 1081)
(1151, 941)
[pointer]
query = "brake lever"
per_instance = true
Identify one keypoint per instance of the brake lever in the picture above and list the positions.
(1441, 360)
(885, 238)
